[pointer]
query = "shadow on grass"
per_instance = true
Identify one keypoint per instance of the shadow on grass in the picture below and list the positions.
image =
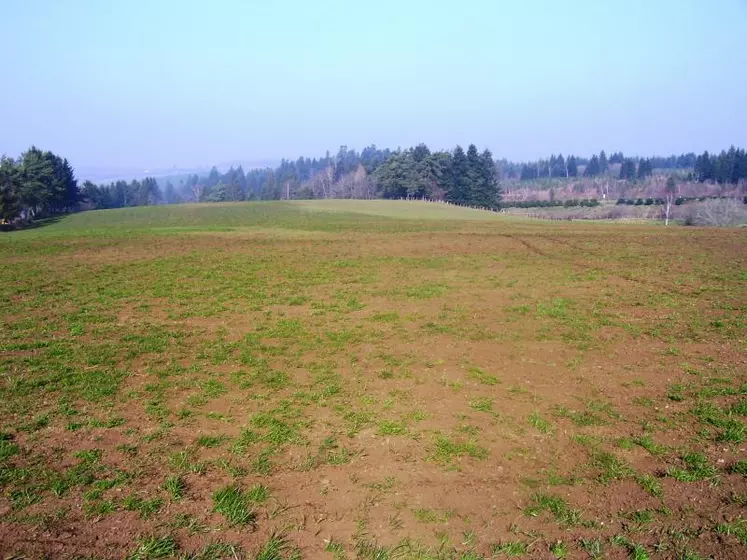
(43, 222)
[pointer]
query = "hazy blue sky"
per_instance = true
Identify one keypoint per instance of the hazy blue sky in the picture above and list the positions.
(149, 83)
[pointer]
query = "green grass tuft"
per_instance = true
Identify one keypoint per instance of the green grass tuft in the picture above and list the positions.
(175, 486)
(233, 504)
(540, 423)
(151, 548)
(447, 450)
(555, 505)
(696, 468)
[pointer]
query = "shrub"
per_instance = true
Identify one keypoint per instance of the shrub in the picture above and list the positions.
(720, 212)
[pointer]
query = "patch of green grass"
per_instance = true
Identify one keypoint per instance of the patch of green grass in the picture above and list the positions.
(732, 429)
(426, 291)
(603, 407)
(610, 466)
(431, 516)
(189, 523)
(36, 424)
(128, 449)
(233, 503)
(258, 493)
(740, 467)
(594, 548)
(559, 549)
(512, 549)
(392, 428)
(262, 464)
(539, 423)
(277, 431)
(24, 497)
(336, 548)
(647, 442)
(276, 547)
(650, 484)
(340, 456)
(736, 528)
(481, 376)
(739, 499)
(390, 317)
(447, 450)
(175, 486)
(146, 508)
(676, 392)
(98, 508)
(246, 439)
(388, 484)
(482, 404)
(210, 441)
(270, 378)
(739, 407)
(635, 551)
(641, 516)
(696, 468)
(7, 447)
(556, 506)
(216, 551)
(151, 548)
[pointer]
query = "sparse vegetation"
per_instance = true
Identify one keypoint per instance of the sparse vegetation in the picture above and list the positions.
(233, 503)
(252, 366)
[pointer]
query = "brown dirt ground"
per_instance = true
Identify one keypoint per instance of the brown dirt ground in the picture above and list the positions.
(538, 371)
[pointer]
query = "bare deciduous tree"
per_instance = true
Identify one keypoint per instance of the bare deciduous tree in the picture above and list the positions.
(721, 212)
(670, 194)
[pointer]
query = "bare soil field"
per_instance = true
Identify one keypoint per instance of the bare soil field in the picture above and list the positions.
(285, 380)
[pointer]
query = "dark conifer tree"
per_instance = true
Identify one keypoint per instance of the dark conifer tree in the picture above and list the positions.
(592, 169)
(459, 192)
(572, 166)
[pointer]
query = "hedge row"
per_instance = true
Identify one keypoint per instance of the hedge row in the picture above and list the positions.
(549, 203)
(680, 200)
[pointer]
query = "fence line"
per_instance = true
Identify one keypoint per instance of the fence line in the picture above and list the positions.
(534, 216)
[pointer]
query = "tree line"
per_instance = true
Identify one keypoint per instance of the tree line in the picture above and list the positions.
(730, 166)
(36, 185)
(631, 169)
(468, 178)
(41, 183)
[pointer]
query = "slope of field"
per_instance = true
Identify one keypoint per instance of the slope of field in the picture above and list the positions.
(370, 380)
(411, 209)
(317, 215)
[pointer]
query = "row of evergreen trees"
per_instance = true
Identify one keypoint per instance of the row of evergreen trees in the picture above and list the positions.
(727, 167)
(38, 184)
(730, 166)
(120, 194)
(631, 169)
(462, 178)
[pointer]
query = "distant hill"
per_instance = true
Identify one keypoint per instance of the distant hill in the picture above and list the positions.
(105, 174)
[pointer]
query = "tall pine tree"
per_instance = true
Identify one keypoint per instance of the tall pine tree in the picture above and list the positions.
(459, 191)
(593, 169)
(604, 165)
(572, 166)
